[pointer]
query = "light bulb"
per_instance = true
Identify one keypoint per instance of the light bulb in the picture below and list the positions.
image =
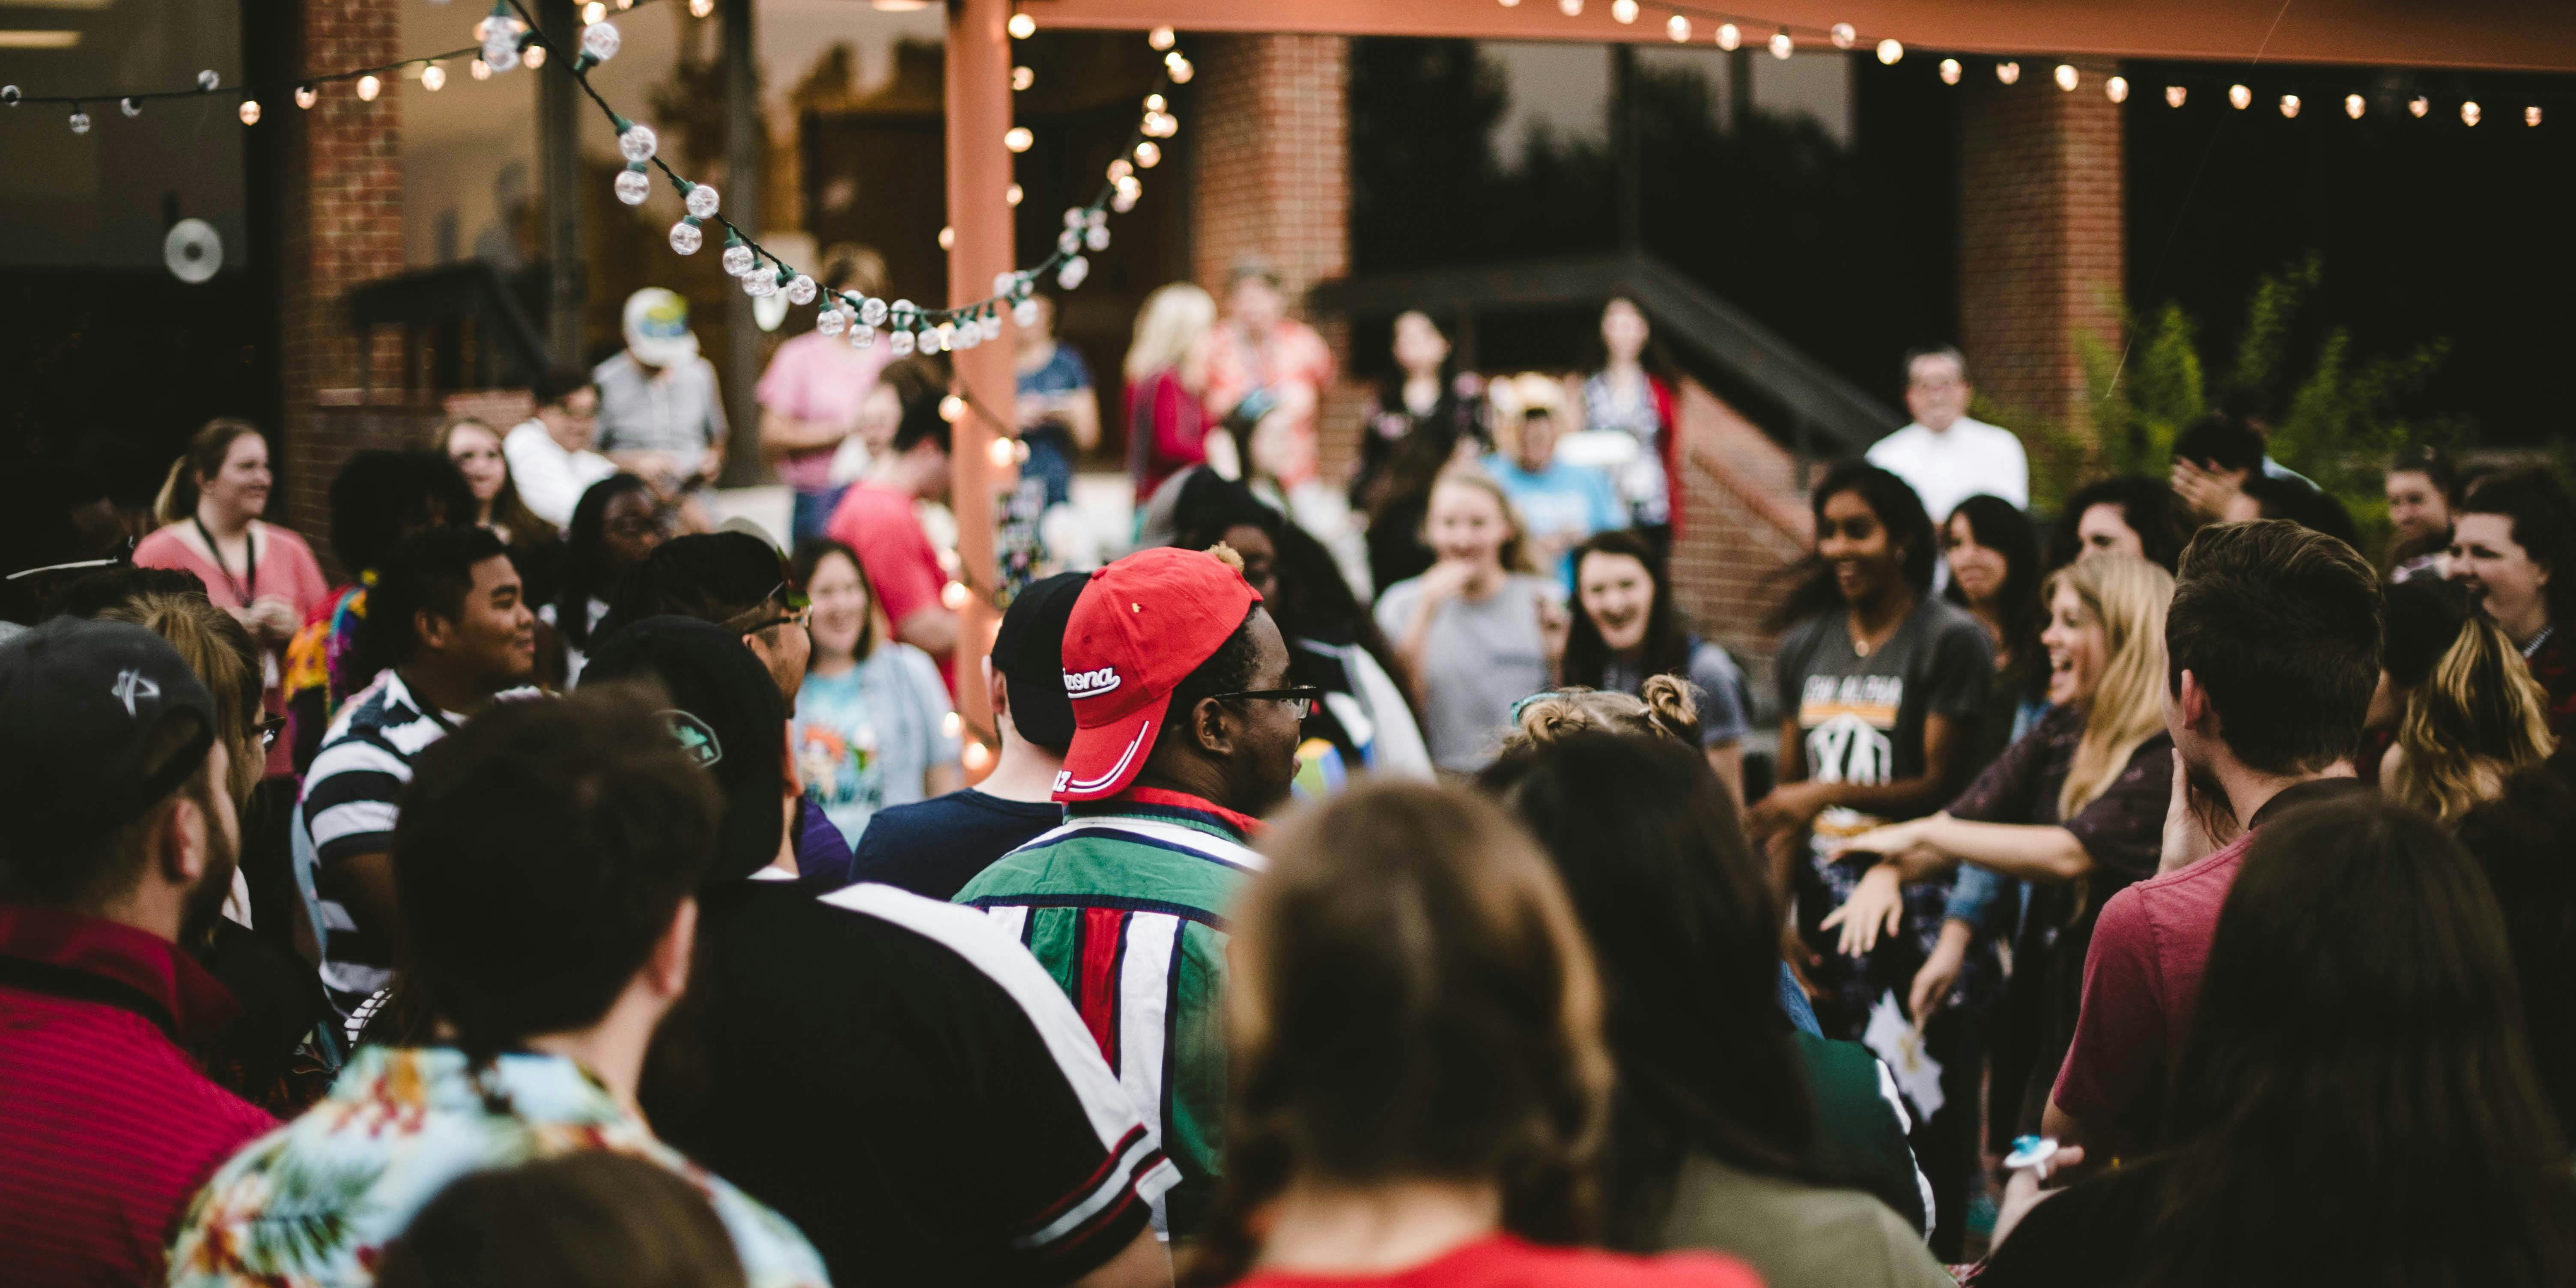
(1623, 11)
(208, 81)
(832, 321)
(1012, 194)
(479, 69)
(1148, 155)
(2240, 97)
(1002, 452)
(978, 757)
(1781, 45)
(1017, 138)
(685, 237)
(863, 337)
(9, 95)
(534, 56)
(632, 184)
(902, 313)
(1160, 38)
(701, 8)
(2116, 89)
(1950, 70)
(1570, 8)
(873, 311)
(1889, 51)
(433, 78)
(129, 107)
(898, 343)
(637, 142)
(2352, 106)
(702, 201)
(80, 122)
(594, 11)
(800, 289)
(306, 96)
(2066, 77)
(1729, 37)
(948, 237)
(1511, 4)
(1074, 270)
(368, 88)
(2289, 105)
(2174, 95)
(250, 111)
(1023, 77)
(1096, 237)
(1069, 241)
(2469, 114)
(1679, 28)
(738, 259)
(757, 284)
(1025, 313)
(2531, 115)
(2008, 72)
(1178, 68)
(1023, 26)
(2419, 105)
(1006, 282)
(600, 40)
(1154, 103)
(1843, 35)
(1120, 168)
(953, 595)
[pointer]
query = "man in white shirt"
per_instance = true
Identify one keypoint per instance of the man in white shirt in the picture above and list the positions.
(1945, 454)
(550, 453)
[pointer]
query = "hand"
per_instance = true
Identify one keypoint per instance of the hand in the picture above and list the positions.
(1940, 972)
(1446, 581)
(1035, 409)
(1789, 809)
(2204, 491)
(2025, 1190)
(1880, 900)
(1554, 624)
(270, 618)
(1889, 841)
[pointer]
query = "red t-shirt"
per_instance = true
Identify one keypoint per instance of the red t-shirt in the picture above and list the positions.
(877, 521)
(2142, 975)
(1507, 1262)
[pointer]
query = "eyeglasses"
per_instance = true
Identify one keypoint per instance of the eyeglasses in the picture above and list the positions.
(268, 731)
(1300, 701)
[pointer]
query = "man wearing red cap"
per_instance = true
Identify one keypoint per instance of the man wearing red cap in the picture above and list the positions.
(1184, 730)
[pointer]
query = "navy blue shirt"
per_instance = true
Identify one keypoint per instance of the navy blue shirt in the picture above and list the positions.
(934, 847)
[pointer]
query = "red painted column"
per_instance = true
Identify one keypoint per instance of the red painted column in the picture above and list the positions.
(979, 173)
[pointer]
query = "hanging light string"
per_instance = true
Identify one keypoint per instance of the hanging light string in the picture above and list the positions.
(909, 327)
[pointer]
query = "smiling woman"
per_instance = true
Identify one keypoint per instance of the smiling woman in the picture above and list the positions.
(2513, 546)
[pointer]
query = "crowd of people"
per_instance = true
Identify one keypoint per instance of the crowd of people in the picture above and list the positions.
(1380, 883)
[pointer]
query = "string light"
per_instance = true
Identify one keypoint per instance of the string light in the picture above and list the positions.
(1178, 68)
(479, 69)
(1679, 28)
(594, 11)
(2116, 89)
(2174, 95)
(2008, 72)
(1570, 8)
(1950, 71)
(1002, 453)
(1889, 52)
(128, 106)
(368, 88)
(2240, 97)
(701, 8)
(2531, 115)
(1781, 45)
(2066, 77)
(1147, 155)
(1843, 35)
(954, 594)
(1160, 39)
(1729, 37)
(1023, 77)
(1018, 138)
(433, 78)
(2469, 112)
(2352, 106)
(947, 237)
(2419, 105)
(979, 757)
(534, 56)
(79, 121)
(249, 111)
(2289, 105)
(306, 96)
(1012, 195)
(599, 41)
(685, 237)
(1022, 26)
(1511, 4)
(1623, 12)
(208, 81)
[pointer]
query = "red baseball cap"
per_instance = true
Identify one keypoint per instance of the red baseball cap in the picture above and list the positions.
(1141, 626)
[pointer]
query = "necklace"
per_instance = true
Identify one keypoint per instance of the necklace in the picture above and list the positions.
(247, 590)
(2538, 640)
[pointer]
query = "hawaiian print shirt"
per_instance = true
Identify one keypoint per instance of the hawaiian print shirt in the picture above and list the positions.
(312, 1204)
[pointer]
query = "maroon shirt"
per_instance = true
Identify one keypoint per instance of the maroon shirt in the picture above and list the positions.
(107, 1126)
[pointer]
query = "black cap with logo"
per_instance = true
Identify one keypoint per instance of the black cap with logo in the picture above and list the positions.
(1028, 651)
(83, 747)
(726, 714)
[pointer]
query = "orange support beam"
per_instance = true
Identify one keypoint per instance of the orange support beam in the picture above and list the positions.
(979, 174)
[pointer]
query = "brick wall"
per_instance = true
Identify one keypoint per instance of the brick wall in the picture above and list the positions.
(342, 211)
(1744, 519)
(1272, 164)
(2040, 241)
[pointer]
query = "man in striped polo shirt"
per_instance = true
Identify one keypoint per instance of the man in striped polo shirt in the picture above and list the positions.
(1184, 730)
(448, 618)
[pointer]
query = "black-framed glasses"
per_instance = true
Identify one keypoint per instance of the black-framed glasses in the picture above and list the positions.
(1300, 701)
(269, 730)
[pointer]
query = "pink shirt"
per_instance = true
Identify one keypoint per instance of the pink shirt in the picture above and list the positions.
(902, 568)
(1292, 354)
(1503, 1261)
(820, 378)
(286, 569)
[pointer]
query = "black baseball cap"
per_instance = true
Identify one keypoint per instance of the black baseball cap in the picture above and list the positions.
(725, 712)
(1028, 650)
(83, 707)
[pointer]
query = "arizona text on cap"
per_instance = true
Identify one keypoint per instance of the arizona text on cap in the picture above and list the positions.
(1142, 625)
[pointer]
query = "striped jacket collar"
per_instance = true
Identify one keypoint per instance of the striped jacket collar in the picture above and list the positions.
(1179, 807)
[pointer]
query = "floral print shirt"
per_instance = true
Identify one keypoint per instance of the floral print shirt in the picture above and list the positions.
(313, 1204)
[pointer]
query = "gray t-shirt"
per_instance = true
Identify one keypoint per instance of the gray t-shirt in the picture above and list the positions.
(1482, 656)
(675, 410)
(1862, 717)
(1716, 685)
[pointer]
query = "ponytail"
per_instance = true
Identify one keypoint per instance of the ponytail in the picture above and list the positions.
(207, 449)
(178, 496)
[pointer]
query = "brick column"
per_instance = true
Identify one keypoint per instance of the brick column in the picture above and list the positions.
(342, 214)
(1272, 162)
(2041, 241)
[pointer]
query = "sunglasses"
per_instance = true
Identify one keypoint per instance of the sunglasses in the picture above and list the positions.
(1300, 701)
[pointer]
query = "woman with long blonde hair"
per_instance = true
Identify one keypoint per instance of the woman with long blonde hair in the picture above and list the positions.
(1482, 629)
(1168, 427)
(1420, 1089)
(2076, 807)
(2478, 717)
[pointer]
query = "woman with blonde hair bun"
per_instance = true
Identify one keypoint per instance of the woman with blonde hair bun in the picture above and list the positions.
(2479, 717)
(1168, 427)
(1666, 711)
(2076, 807)
(1420, 1090)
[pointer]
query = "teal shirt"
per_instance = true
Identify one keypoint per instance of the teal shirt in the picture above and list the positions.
(1125, 907)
